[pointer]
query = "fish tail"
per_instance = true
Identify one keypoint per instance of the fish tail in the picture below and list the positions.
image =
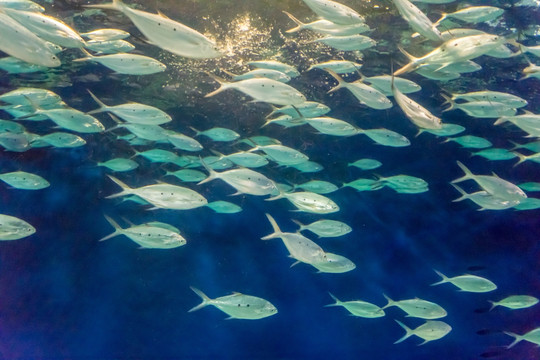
(408, 332)
(390, 302)
(444, 278)
(223, 85)
(468, 174)
(493, 305)
(205, 299)
(126, 190)
(87, 57)
(411, 66)
(337, 301)
(117, 229)
(102, 106)
(212, 175)
(300, 25)
(341, 82)
(197, 132)
(277, 231)
(448, 100)
(302, 226)
(464, 195)
(229, 73)
(501, 120)
(517, 337)
(516, 145)
(521, 157)
(217, 153)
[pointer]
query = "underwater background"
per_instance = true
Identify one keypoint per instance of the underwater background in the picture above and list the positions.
(66, 295)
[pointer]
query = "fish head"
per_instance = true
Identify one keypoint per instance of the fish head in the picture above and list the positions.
(270, 309)
(51, 61)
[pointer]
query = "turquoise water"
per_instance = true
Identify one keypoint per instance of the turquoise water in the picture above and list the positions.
(67, 295)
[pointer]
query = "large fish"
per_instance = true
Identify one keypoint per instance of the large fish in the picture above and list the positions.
(168, 34)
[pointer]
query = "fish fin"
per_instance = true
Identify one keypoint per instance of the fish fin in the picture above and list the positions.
(493, 305)
(517, 337)
(448, 100)
(162, 14)
(229, 73)
(521, 157)
(126, 190)
(425, 342)
(102, 106)
(337, 301)
(408, 332)
(87, 57)
(205, 299)
(341, 83)
(230, 318)
(302, 226)
(444, 278)
(295, 263)
(117, 229)
(299, 25)
(223, 85)
(197, 132)
(212, 174)
(464, 195)
(411, 66)
(468, 174)
(390, 302)
(238, 192)
(277, 231)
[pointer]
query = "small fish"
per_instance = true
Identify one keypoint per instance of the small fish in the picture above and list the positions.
(237, 305)
(417, 20)
(262, 89)
(366, 164)
(309, 202)
(485, 200)
(327, 27)
(331, 126)
(224, 207)
(386, 137)
(218, 134)
(474, 14)
(482, 109)
(182, 141)
(245, 159)
(460, 67)
(532, 336)
(125, 63)
(348, 43)
(166, 33)
(335, 12)
(515, 302)
(24, 181)
(308, 167)
(493, 96)
(383, 83)
(318, 186)
(25, 5)
(334, 264)
(17, 66)
(281, 154)
(528, 204)
(307, 109)
(266, 73)
(495, 154)
(11, 127)
(325, 228)
(468, 283)
(188, 175)
(63, 140)
(366, 94)
(419, 308)
(471, 141)
(530, 186)
(12, 228)
(106, 34)
(359, 308)
(106, 47)
(364, 184)
(14, 142)
(148, 236)
(119, 164)
(275, 65)
(337, 66)
(445, 130)
(429, 331)
(416, 113)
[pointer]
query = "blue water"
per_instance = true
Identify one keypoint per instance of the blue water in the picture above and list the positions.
(67, 296)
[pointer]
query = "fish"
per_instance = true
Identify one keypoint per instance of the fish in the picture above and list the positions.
(415, 112)
(25, 5)
(166, 33)
(366, 164)
(300, 247)
(335, 12)
(348, 43)
(385, 137)
(359, 308)
(21, 43)
(125, 63)
(106, 34)
(471, 141)
(429, 331)
(162, 195)
(364, 184)
(337, 66)
(262, 89)
(366, 94)
(147, 236)
(237, 305)
(13, 228)
(63, 140)
(418, 308)
(182, 141)
(309, 202)
(307, 109)
(106, 47)
(468, 283)
(334, 264)
(515, 302)
(495, 154)
(325, 228)
(119, 164)
(158, 155)
(224, 207)
(482, 109)
(417, 20)
(287, 69)
(511, 100)
(317, 186)
(282, 154)
(24, 180)
(26, 95)
(14, 142)
(485, 200)
(446, 129)
(13, 65)
(332, 126)
(133, 112)
(493, 185)
(187, 175)
(245, 181)
(473, 14)
(244, 159)
(528, 122)
(218, 134)
(257, 73)
(47, 28)
(383, 83)
(327, 27)
(532, 336)
(11, 127)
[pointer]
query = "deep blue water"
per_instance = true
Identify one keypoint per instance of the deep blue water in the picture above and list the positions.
(67, 296)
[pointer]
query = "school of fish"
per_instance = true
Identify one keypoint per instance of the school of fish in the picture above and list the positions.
(34, 41)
